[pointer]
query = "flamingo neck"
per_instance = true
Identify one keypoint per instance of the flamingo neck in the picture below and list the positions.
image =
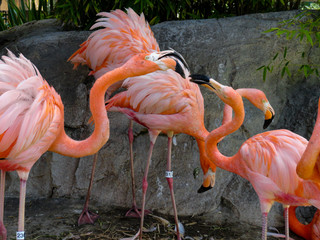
(297, 227)
(306, 167)
(70, 147)
(216, 135)
(205, 162)
(243, 92)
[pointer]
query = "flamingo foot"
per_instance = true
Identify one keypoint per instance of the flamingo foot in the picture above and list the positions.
(87, 217)
(136, 212)
(3, 232)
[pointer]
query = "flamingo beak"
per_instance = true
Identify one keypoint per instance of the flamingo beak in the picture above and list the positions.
(204, 81)
(208, 181)
(269, 115)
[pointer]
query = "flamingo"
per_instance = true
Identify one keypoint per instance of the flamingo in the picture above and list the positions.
(120, 36)
(268, 160)
(32, 117)
(309, 165)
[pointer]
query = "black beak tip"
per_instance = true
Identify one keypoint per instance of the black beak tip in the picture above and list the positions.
(199, 78)
(203, 189)
(267, 122)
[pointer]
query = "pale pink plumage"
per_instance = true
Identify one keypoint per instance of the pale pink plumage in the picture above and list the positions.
(30, 114)
(121, 36)
(268, 160)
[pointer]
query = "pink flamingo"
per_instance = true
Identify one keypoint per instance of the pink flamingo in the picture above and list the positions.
(309, 165)
(119, 37)
(32, 118)
(268, 160)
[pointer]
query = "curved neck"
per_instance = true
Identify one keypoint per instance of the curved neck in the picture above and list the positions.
(307, 167)
(243, 92)
(204, 160)
(227, 128)
(227, 114)
(69, 147)
(297, 227)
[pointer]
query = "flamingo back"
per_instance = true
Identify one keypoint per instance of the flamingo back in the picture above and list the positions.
(30, 113)
(159, 93)
(118, 38)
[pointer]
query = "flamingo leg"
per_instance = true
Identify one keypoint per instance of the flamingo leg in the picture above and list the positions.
(264, 225)
(145, 181)
(286, 219)
(133, 211)
(22, 202)
(169, 176)
(3, 231)
(86, 216)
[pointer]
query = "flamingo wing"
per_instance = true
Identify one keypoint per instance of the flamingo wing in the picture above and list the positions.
(120, 37)
(30, 113)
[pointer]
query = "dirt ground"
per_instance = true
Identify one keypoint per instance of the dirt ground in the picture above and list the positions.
(48, 219)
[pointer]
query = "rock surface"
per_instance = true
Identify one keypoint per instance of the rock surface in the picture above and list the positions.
(228, 49)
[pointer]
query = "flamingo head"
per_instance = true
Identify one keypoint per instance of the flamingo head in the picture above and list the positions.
(181, 65)
(260, 101)
(227, 94)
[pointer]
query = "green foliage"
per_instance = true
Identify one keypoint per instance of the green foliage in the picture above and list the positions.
(24, 13)
(81, 13)
(304, 27)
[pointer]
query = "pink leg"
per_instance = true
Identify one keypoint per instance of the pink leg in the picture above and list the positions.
(286, 220)
(22, 201)
(3, 230)
(169, 176)
(264, 225)
(133, 211)
(86, 216)
(145, 181)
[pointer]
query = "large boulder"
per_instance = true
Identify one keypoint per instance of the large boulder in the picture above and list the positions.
(228, 49)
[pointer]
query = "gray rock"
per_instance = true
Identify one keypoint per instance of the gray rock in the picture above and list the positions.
(228, 49)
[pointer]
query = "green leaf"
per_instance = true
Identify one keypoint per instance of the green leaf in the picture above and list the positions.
(280, 32)
(283, 71)
(264, 74)
(309, 38)
(260, 67)
(288, 71)
(285, 52)
(306, 70)
(275, 56)
(271, 30)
